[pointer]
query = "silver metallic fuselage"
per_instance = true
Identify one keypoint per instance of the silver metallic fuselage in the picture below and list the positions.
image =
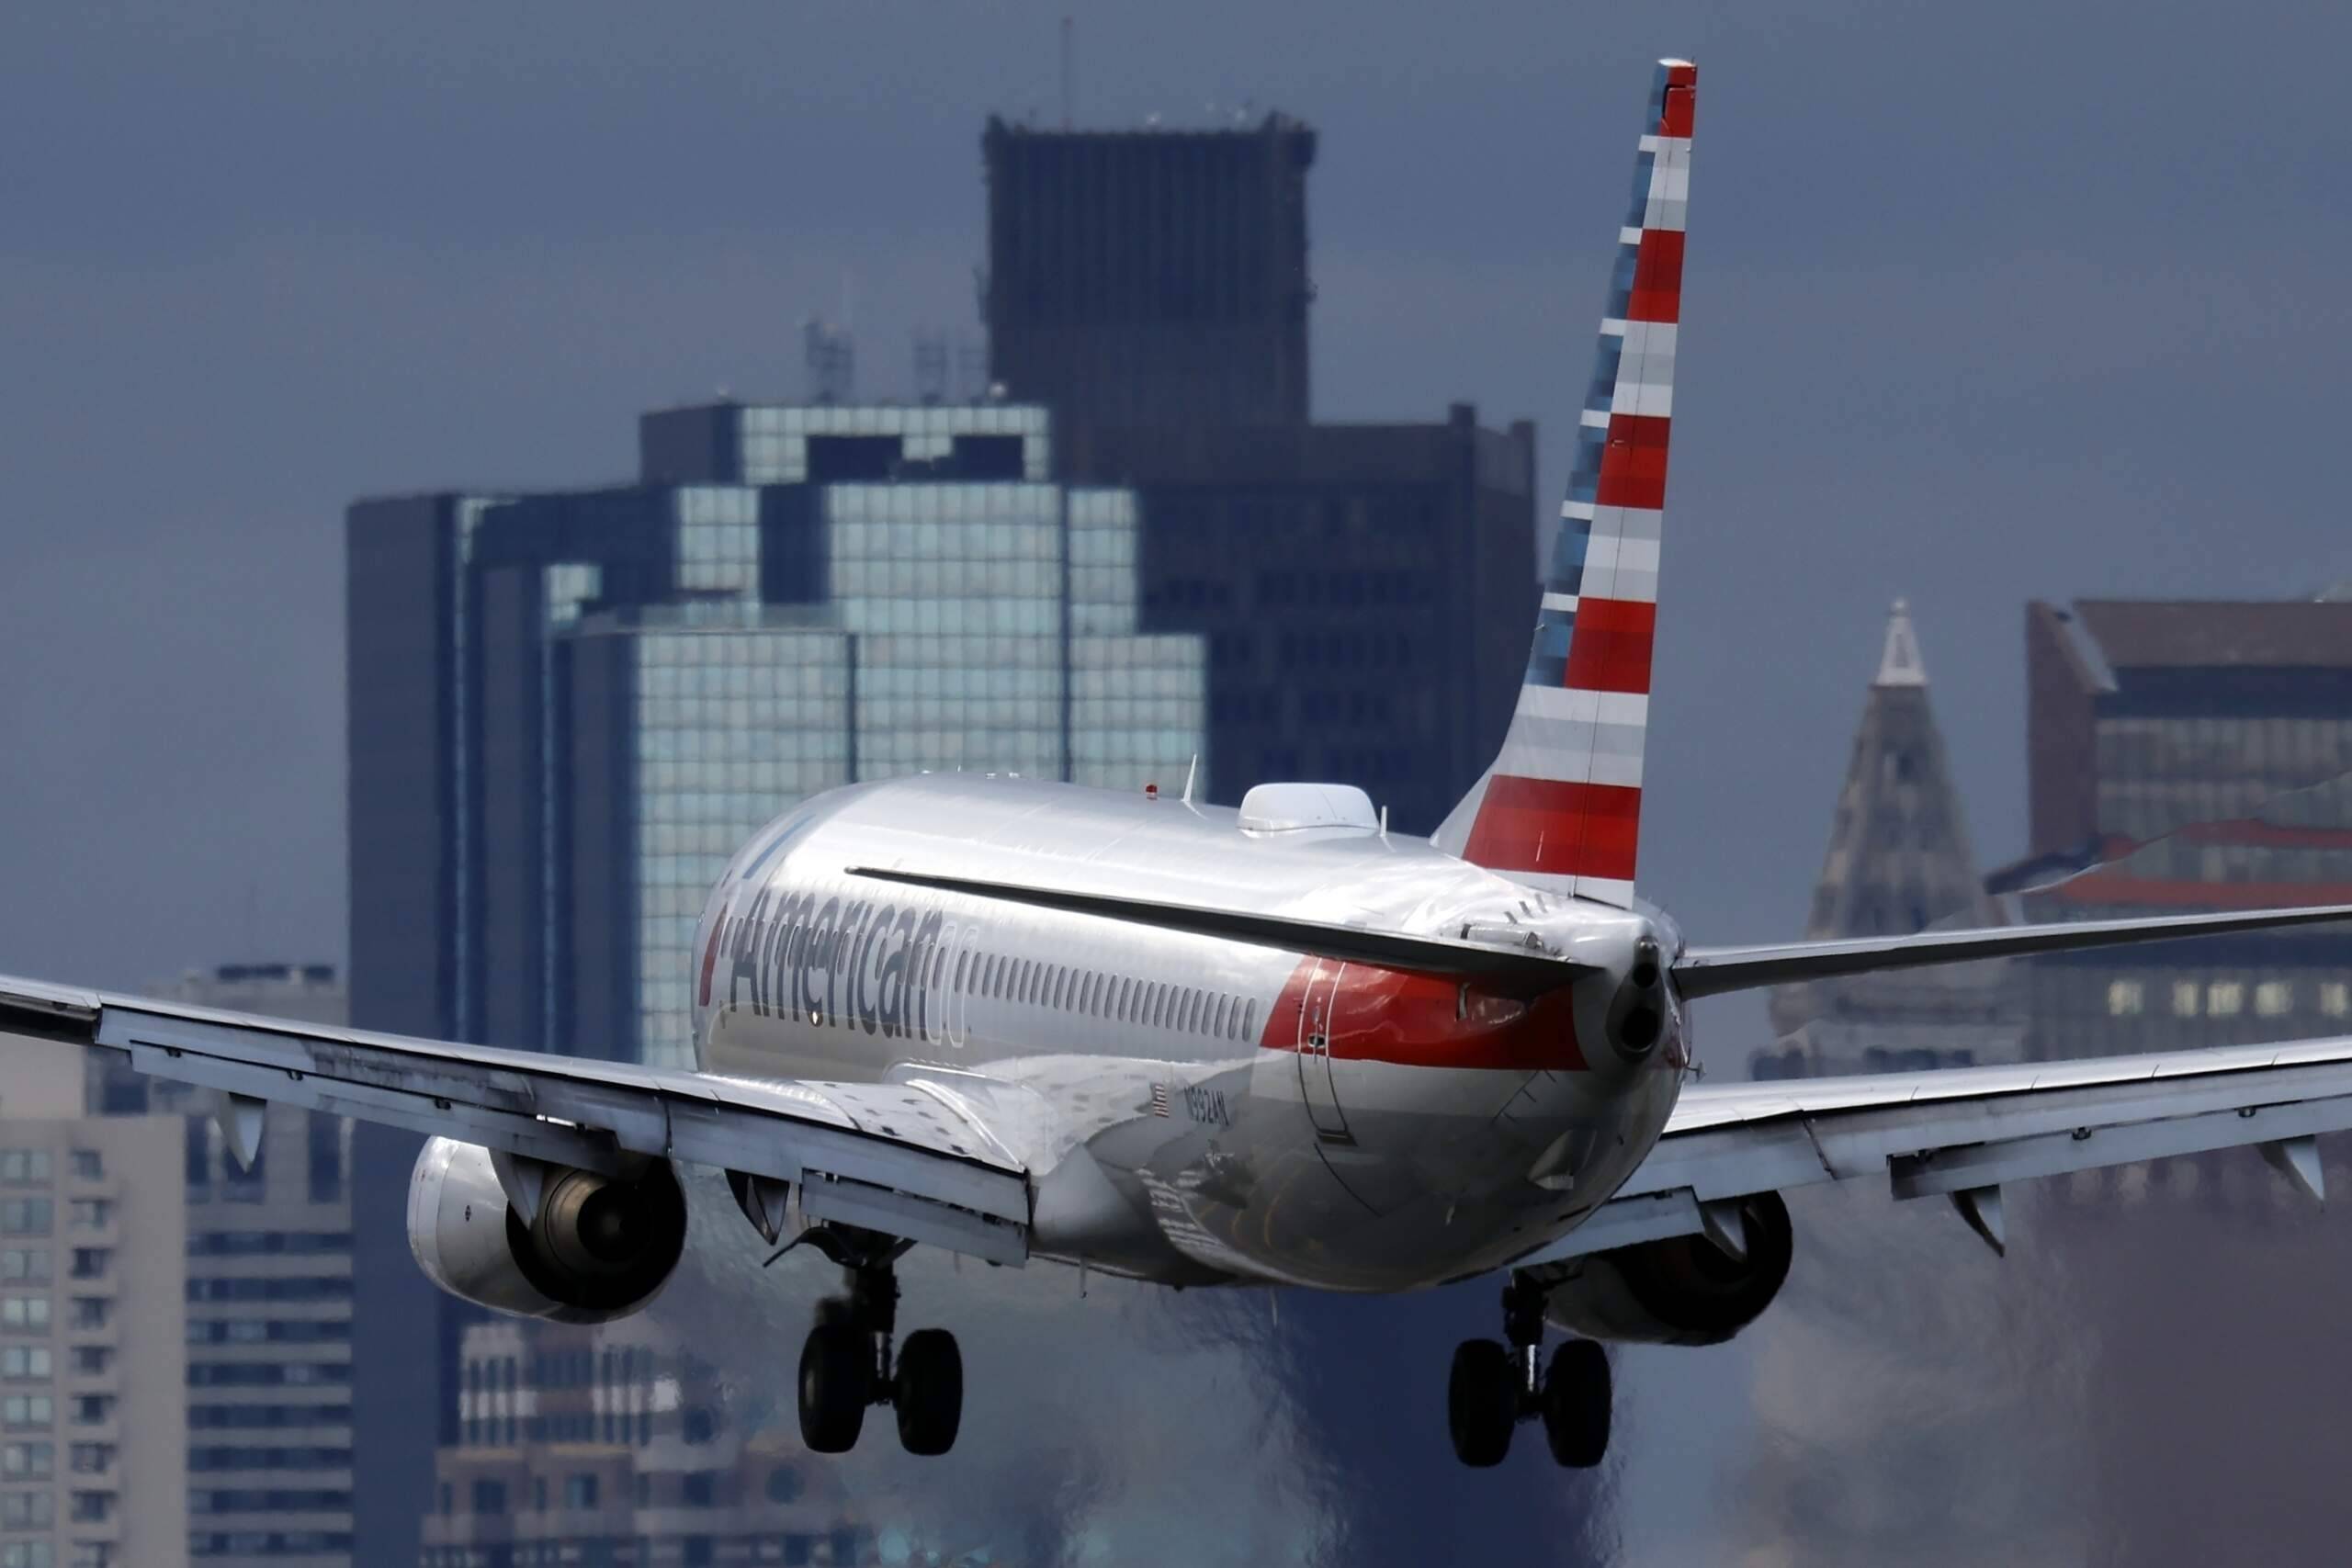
(1192, 1110)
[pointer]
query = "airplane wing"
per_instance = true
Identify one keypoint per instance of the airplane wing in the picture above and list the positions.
(906, 1158)
(1963, 1132)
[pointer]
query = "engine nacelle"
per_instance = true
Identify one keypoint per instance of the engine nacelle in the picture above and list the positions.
(599, 1248)
(1684, 1289)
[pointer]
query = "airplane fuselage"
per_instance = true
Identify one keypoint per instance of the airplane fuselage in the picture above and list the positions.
(1194, 1108)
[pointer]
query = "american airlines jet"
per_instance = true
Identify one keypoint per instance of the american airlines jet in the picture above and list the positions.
(1279, 1044)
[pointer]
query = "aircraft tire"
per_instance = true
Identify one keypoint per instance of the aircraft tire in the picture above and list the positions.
(928, 1392)
(1576, 1397)
(1481, 1401)
(836, 1385)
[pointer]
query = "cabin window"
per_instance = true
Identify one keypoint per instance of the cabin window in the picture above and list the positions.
(1249, 1021)
(961, 960)
(1062, 989)
(1125, 1008)
(1159, 1007)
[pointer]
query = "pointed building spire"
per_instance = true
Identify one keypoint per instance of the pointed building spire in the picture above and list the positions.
(1900, 664)
(1898, 862)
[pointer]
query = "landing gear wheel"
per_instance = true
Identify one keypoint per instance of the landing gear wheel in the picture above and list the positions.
(836, 1385)
(928, 1392)
(1576, 1395)
(1481, 1401)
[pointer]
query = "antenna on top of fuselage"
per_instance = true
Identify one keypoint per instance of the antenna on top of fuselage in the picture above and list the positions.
(1191, 773)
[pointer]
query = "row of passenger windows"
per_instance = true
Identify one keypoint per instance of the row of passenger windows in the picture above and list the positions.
(1153, 1004)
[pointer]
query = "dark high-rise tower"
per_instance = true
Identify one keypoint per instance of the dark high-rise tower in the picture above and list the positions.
(1150, 277)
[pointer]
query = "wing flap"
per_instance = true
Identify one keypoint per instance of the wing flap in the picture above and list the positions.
(1954, 1133)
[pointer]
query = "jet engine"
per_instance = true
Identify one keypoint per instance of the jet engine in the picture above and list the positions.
(595, 1247)
(1684, 1289)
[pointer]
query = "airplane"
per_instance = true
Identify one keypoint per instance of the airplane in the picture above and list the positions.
(1271, 1044)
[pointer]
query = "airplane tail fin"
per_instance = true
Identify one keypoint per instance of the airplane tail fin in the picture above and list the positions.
(1561, 807)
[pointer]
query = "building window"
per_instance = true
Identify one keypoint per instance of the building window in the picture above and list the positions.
(93, 1507)
(21, 1363)
(25, 1217)
(2184, 998)
(540, 1493)
(700, 1488)
(580, 1491)
(91, 1213)
(28, 1410)
(326, 1157)
(92, 1409)
(2124, 999)
(24, 1510)
(92, 1262)
(89, 1166)
(783, 1485)
(93, 1459)
(2334, 998)
(25, 1462)
(25, 1313)
(93, 1360)
(2273, 999)
(20, 1167)
(2225, 999)
(488, 1496)
(97, 1312)
(29, 1264)
(27, 1554)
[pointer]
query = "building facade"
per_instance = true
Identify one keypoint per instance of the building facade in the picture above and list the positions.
(93, 1431)
(1898, 862)
(1150, 277)
(569, 709)
(1367, 592)
(613, 1446)
(2186, 756)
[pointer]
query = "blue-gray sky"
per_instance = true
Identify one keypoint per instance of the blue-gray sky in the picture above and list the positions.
(1984, 303)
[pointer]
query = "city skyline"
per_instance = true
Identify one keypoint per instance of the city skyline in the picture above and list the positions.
(1977, 368)
(526, 326)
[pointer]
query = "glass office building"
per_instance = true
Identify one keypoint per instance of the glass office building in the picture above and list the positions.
(620, 685)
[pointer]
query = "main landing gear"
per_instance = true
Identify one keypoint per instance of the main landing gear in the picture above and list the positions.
(848, 1363)
(1495, 1387)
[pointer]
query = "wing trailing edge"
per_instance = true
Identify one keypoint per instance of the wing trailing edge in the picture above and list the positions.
(1352, 944)
(1711, 970)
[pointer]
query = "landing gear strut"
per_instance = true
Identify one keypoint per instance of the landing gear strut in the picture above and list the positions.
(1494, 1387)
(849, 1361)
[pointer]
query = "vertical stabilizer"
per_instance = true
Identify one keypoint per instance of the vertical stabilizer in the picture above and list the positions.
(1561, 808)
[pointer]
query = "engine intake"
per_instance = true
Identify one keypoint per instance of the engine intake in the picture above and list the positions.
(1684, 1289)
(599, 1248)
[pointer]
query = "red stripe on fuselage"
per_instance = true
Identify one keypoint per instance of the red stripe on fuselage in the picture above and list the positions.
(1609, 648)
(1371, 1014)
(1558, 826)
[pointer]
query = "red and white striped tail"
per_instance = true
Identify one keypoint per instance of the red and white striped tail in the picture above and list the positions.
(1562, 806)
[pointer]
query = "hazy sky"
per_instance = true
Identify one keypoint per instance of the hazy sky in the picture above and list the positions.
(1984, 302)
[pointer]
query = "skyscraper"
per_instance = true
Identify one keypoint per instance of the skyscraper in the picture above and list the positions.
(1367, 590)
(1898, 862)
(1150, 277)
(94, 1428)
(569, 709)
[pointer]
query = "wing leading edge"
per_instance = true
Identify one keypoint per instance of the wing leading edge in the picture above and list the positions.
(1963, 1132)
(1711, 970)
(901, 1157)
